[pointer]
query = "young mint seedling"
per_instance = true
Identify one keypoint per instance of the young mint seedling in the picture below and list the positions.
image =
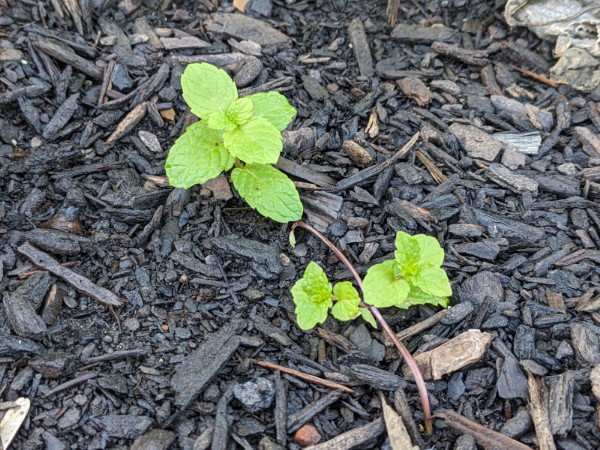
(242, 131)
(413, 277)
(313, 296)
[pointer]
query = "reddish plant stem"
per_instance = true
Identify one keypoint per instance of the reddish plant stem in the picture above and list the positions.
(410, 361)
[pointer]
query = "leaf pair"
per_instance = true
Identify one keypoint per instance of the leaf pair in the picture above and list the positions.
(413, 277)
(247, 129)
(314, 297)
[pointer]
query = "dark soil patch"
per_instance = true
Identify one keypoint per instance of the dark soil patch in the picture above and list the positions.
(90, 104)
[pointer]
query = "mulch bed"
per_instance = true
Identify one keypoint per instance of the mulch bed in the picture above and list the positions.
(139, 316)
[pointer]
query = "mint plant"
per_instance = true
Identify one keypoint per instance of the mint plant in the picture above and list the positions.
(314, 298)
(245, 132)
(413, 277)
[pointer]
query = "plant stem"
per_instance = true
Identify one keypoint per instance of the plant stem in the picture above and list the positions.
(410, 361)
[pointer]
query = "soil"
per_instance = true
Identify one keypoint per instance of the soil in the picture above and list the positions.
(139, 316)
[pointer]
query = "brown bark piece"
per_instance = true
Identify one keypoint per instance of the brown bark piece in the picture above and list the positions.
(538, 408)
(414, 88)
(128, 123)
(358, 154)
(464, 349)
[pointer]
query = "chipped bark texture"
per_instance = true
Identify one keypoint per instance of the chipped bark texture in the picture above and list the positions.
(459, 352)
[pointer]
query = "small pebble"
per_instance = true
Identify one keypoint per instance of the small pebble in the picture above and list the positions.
(307, 435)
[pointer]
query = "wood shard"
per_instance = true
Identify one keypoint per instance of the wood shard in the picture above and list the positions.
(360, 45)
(353, 438)
(79, 282)
(128, 123)
(459, 352)
(488, 439)
(68, 56)
(538, 408)
(397, 433)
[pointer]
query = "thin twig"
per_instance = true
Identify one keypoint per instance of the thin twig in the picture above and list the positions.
(302, 375)
(412, 365)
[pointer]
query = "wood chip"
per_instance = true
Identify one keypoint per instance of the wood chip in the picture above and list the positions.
(360, 45)
(79, 282)
(353, 438)
(538, 408)
(397, 434)
(459, 352)
(488, 439)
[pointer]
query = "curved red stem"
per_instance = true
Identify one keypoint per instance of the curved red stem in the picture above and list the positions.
(410, 361)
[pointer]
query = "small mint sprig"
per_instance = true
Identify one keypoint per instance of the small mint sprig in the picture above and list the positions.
(242, 131)
(413, 277)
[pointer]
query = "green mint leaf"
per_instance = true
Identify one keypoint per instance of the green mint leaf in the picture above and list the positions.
(368, 317)
(346, 306)
(197, 156)
(274, 107)
(312, 296)
(433, 281)
(207, 89)
(418, 297)
(240, 111)
(269, 191)
(407, 254)
(430, 250)
(255, 142)
(381, 287)
(220, 121)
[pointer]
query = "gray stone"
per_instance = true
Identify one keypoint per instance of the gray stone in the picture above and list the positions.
(477, 143)
(255, 395)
